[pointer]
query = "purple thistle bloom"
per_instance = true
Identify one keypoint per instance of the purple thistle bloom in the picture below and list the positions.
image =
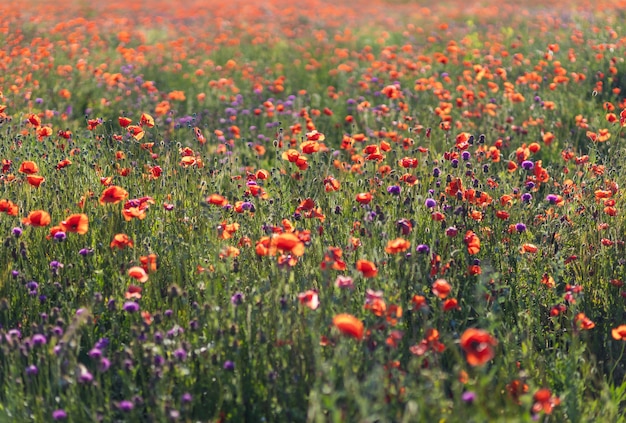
(39, 339)
(180, 354)
(229, 365)
(422, 249)
(104, 365)
(59, 414)
(394, 189)
(186, 398)
(468, 396)
(237, 299)
(102, 343)
(466, 155)
(430, 203)
(131, 307)
(125, 405)
(60, 236)
(95, 353)
(85, 377)
(520, 227)
(526, 197)
(32, 370)
(551, 198)
(85, 251)
(527, 164)
(17, 232)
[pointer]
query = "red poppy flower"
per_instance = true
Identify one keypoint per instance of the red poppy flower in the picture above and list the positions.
(35, 180)
(37, 218)
(349, 325)
(619, 333)
(309, 299)
(113, 195)
(478, 345)
(441, 288)
(364, 198)
(367, 268)
(217, 200)
(78, 223)
(473, 242)
(287, 242)
(121, 241)
(124, 121)
(138, 273)
(28, 167)
(397, 245)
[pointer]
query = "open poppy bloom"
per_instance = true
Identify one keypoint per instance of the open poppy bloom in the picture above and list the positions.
(367, 268)
(544, 401)
(478, 345)
(146, 120)
(441, 288)
(397, 245)
(149, 262)
(121, 241)
(287, 242)
(37, 218)
(28, 167)
(138, 273)
(619, 333)
(349, 325)
(78, 223)
(124, 121)
(364, 198)
(309, 299)
(35, 180)
(216, 200)
(473, 242)
(113, 195)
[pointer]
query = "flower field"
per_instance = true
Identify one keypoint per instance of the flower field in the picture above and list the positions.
(324, 211)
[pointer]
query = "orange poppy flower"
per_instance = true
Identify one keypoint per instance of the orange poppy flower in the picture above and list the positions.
(136, 132)
(28, 167)
(584, 322)
(529, 248)
(287, 242)
(397, 245)
(146, 120)
(198, 134)
(9, 207)
(35, 180)
(364, 198)
(478, 345)
(78, 223)
(124, 121)
(544, 401)
(309, 299)
(217, 200)
(262, 247)
(138, 273)
(441, 288)
(113, 195)
(473, 242)
(149, 262)
(349, 325)
(367, 268)
(121, 241)
(37, 218)
(619, 333)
